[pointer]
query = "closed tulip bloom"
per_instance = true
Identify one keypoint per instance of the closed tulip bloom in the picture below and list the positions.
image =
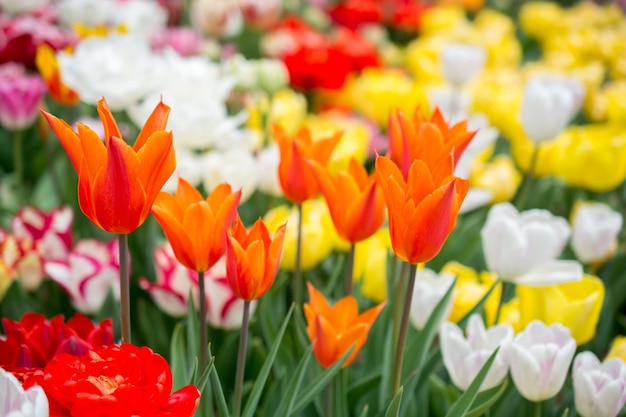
(461, 62)
(463, 356)
(21, 95)
(539, 358)
(575, 305)
(355, 201)
(595, 227)
(523, 247)
(296, 177)
(429, 289)
(599, 388)
(422, 210)
(548, 105)
(333, 330)
(194, 226)
(252, 258)
(118, 183)
(429, 139)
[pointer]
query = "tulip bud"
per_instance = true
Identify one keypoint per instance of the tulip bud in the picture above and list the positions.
(428, 291)
(539, 358)
(599, 389)
(461, 62)
(523, 247)
(548, 105)
(595, 229)
(463, 357)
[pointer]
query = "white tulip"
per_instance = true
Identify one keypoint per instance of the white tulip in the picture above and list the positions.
(15, 402)
(539, 358)
(141, 17)
(236, 167)
(594, 231)
(16, 7)
(523, 247)
(268, 159)
(461, 62)
(599, 389)
(548, 105)
(428, 291)
(463, 356)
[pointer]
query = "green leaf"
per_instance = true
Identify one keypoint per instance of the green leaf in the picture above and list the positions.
(462, 406)
(16, 302)
(193, 330)
(394, 408)
(216, 385)
(286, 406)
(486, 399)
(362, 386)
(365, 410)
(320, 382)
(178, 360)
(259, 384)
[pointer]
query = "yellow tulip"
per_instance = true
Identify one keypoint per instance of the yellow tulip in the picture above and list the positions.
(618, 348)
(319, 237)
(576, 305)
(538, 19)
(370, 265)
(498, 176)
(442, 19)
(510, 314)
(287, 109)
(5, 279)
(592, 157)
(471, 286)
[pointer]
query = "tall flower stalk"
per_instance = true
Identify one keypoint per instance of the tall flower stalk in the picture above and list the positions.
(118, 183)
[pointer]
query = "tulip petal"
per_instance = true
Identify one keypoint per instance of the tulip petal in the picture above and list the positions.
(156, 164)
(552, 272)
(68, 138)
(110, 126)
(198, 223)
(156, 121)
(177, 236)
(187, 194)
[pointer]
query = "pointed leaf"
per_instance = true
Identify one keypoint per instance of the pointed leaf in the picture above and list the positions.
(486, 399)
(394, 408)
(286, 406)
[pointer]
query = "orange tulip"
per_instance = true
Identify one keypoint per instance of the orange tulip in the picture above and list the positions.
(252, 258)
(296, 177)
(48, 67)
(422, 209)
(333, 330)
(426, 139)
(117, 183)
(355, 201)
(195, 227)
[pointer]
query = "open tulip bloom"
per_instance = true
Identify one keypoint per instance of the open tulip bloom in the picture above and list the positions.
(599, 388)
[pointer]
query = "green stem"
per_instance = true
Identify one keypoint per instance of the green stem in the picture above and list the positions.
(241, 359)
(204, 338)
(404, 326)
(297, 285)
(328, 398)
(397, 304)
(506, 286)
(536, 407)
(349, 278)
(124, 288)
(529, 176)
(18, 158)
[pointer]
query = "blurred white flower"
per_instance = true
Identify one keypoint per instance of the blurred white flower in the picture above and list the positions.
(548, 105)
(429, 289)
(539, 358)
(236, 167)
(15, 7)
(595, 227)
(463, 356)
(268, 159)
(91, 270)
(461, 62)
(523, 247)
(140, 17)
(120, 68)
(17, 402)
(266, 74)
(196, 92)
(90, 13)
(599, 388)
(217, 17)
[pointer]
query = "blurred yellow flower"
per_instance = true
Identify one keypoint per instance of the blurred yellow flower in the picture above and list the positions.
(289, 109)
(84, 31)
(576, 305)
(354, 142)
(618, 348)
(319, 237)
(442, 19)
(422, 58)
(592, 157)
(370, 265)
(5, 279)
(615, 103)
(470, 288)
(470, 5)
(498, 176)
(510, 314)
(538, 19)
(377, 91)
(496, 32)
